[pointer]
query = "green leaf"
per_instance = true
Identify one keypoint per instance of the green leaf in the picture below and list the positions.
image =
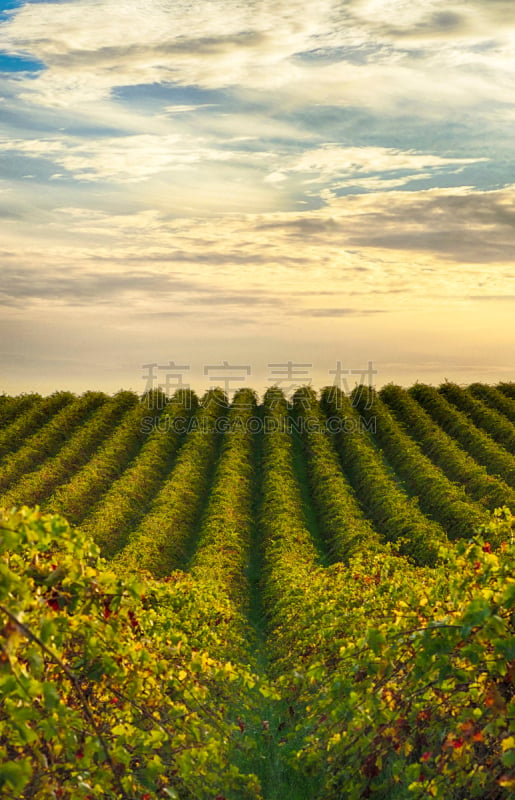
(375, 639)
(15, 775)
(506, 647)
(508, 758)
(51, 696)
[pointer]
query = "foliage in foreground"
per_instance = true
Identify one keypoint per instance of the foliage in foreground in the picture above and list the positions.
(397, 680)
(102, 692)
(407, 675)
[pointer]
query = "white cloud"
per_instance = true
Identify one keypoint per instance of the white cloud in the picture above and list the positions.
(91, 47)
(185, 109)
(123, 158)
(416, 53)
(417, 21)
(333, 159)
(418, 243)
(333, 167)
(140, 157)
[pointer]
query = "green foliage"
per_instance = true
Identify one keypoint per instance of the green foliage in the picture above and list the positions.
(388, 676)
(38, 484)
(49, 440)
(159, 544)
(128, 498)
(36, 415)
(445, 452)
(491, 422)
(494, 398)
(85, 487)
(394, 514)
(288, 549)
(407, 676)
(222, 553)
(13, 406)
(507, 388)
(439, 497)
(458, 425)
(345, 526)
(106, 690)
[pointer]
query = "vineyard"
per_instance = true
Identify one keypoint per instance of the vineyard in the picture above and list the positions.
(305, 599)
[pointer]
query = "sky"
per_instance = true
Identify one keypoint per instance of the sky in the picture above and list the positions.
(249, 192)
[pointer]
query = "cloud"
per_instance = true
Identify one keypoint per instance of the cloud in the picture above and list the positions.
(135, 289)
(433, 19)
(89, 47)
(124, 158)
(251, 174)
(401, 248)
(294, 50)
(341, 312)
(355, 160)
(303, 226)
(77, 288)
(461, 226)
(368, 168)
(493, 298)
(186, 109)
(137, 158)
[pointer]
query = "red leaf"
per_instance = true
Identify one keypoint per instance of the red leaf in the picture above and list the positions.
(132, 619)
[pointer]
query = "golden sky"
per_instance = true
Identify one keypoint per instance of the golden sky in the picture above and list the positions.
(256, 183)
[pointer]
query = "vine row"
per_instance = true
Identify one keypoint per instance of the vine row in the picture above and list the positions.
(445, 502)
(495, 399)
(75, 498)
(480, 446)
(29, 421)
(345, 526)
(455, 462)
(394, 514)
(160, 542)
(126, 500)
(491, 422)
(38, 485)
(12, 407)
(47, 441)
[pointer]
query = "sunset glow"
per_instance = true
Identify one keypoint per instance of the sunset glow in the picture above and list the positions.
(256, 183)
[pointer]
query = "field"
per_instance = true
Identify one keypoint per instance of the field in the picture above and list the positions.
(305, 600)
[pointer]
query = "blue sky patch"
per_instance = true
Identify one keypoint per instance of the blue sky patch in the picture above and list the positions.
(10, 63)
